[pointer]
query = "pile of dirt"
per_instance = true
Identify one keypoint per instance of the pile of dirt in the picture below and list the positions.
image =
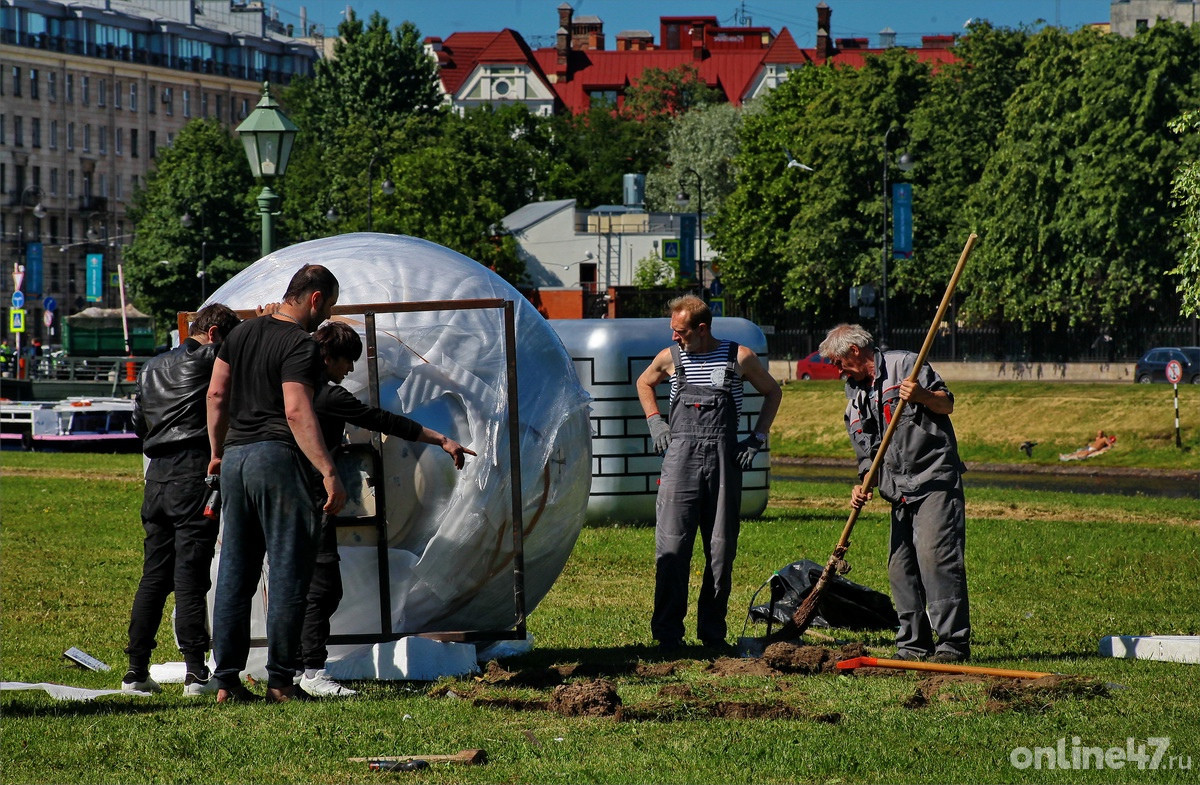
(597, 698)
(795, 658)
(731, 666)
(937, 687)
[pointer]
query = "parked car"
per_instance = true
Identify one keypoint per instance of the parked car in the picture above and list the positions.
(816, 367)
(1153, 365)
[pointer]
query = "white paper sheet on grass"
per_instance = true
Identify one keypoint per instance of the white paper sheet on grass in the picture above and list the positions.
(63, 692)
(449, 532)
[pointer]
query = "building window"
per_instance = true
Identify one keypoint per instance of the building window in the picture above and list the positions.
(2, 140)
(133, 182)
(87, 137)
(102, 93)
(104, 185)
(119, 141)
(33, 83)
(187, 103)
(54, 182)
(133, 142)
(133, 97)
(1142, 26)
(18, 131)
(53, 134)
(52, 86)
(35, 131)
(70, 136)
(70, 183)
(153, 143)
(117, 95)
(221, 108)
(103, 131)
(120, 192)
(245, 109)
(204, 104)
(169, 99)
(85, 90)
(16, 81)
(70, 88)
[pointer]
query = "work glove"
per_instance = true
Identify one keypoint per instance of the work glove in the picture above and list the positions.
(747, 449)
(660, 433)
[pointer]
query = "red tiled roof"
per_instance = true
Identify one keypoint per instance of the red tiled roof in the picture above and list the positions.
(461, 53)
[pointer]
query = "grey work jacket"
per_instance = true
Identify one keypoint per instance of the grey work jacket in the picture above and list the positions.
(923, 454)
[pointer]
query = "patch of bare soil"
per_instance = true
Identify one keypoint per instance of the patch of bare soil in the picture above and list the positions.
(658, 669)
(585, 699)
(732, 666)
(1027, 695)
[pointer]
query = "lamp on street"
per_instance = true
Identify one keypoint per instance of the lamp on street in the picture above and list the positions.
(267, 135)
(682, 200)
(186, 221)
(904, 164)
(388, 188)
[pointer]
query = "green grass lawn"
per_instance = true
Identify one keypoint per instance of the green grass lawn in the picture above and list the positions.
(1050, 574)
(992, 419)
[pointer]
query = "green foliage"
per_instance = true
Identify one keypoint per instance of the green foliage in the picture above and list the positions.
(706, 141)
(1073, 205)
(204, 174)
(815, 232)
(1185, 195)
(659, 94)
(654, 272)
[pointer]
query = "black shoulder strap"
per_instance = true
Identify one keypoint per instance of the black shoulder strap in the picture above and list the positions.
(677, 358)
(731, 365)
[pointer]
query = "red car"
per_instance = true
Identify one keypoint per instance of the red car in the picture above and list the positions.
(815, 367)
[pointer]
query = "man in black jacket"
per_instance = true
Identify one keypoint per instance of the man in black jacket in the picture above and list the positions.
(336, 406)
(170, 415)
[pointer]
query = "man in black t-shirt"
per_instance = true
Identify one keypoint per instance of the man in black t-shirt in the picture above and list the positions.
(263, 435)
(336, 406)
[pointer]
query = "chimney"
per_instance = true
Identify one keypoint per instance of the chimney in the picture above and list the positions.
(562, 46)
(824, 45)
(565, 13)
(887, 38)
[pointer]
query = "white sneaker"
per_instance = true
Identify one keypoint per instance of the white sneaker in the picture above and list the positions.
(323, 685)
(131, 683)
(194, 686)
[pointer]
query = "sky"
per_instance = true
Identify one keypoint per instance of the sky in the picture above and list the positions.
(537, 20)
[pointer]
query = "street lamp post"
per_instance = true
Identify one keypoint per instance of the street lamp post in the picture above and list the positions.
(186, 220)
(387, 186)
(905, 163)
(682, 199)
(267, 135)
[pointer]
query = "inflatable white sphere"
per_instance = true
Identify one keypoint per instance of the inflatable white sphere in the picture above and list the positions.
(449, 532)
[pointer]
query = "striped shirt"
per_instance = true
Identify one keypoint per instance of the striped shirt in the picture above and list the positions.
(707, 370)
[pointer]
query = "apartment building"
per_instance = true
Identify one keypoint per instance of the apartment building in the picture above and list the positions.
(90, 91)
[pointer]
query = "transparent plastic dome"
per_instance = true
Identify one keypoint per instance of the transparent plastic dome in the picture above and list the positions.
(450, 542)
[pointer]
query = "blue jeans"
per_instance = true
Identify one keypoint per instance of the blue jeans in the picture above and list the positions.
(267, 508)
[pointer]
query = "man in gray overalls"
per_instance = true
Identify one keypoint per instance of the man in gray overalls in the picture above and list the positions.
(701, 483)
(921, 475)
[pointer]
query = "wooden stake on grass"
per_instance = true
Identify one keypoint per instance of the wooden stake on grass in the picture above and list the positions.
(808, 609)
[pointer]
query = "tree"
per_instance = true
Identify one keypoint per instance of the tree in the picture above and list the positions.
(1073, 206)
(659, 94)
(1185, 195)
(705, 140)
(654, 272)
(203, 174)
(810, 235)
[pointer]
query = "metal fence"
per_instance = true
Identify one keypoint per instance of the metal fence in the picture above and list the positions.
(793, 334)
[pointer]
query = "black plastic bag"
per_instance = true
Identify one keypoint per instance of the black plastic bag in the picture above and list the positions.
(844, 603)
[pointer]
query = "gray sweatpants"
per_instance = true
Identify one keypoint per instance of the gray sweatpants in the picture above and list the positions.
(928, 573)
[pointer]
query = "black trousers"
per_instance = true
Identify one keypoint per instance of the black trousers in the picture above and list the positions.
(324, 594)
(177, 556)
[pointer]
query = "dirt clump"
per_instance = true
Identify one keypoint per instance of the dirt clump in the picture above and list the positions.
(1038, 695)
(585, 699)
(796, 658)
(933, 687)
(655, 670)
(681, 691)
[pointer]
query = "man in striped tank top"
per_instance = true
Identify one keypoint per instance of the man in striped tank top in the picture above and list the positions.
(700, 488)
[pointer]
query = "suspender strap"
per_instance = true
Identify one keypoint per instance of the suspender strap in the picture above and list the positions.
(677, 358)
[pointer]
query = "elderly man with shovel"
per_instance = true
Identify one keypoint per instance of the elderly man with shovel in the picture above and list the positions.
(921, 475)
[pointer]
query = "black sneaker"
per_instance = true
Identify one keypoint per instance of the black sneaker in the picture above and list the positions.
(721, 648)
(669, 646)
(949, 657)
(906, 655)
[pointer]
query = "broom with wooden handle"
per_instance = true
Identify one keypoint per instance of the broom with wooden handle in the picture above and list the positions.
(808, 609)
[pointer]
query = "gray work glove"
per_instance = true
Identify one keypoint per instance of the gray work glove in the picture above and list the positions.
(747, 449)
(660, 433)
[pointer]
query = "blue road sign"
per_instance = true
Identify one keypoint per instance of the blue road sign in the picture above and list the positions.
(18, 299)
(50, 304)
